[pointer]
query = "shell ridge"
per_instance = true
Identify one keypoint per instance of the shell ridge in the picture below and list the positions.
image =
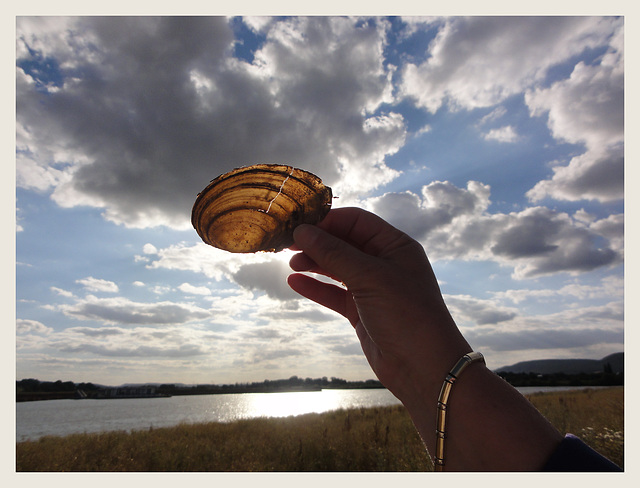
(231, 212)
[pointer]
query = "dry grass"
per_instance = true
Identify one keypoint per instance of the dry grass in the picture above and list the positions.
(596, 416)
(365, 439)
(372, 439)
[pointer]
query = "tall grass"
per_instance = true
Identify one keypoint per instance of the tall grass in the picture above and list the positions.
(364, 439)
(596, 416)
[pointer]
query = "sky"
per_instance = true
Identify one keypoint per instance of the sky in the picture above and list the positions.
(497, 142)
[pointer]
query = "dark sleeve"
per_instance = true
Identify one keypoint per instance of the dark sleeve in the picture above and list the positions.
(574, 455)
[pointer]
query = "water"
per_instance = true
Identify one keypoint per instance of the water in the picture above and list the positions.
(63, 417)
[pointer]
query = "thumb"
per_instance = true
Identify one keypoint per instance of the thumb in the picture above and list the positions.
(334, 256)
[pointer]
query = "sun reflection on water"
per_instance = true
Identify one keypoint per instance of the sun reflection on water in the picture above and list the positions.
(298, 403)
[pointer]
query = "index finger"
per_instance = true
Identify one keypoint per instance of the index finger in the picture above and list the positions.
(362, 229)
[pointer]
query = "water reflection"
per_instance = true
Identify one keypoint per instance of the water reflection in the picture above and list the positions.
(293, 403)
(62, 417)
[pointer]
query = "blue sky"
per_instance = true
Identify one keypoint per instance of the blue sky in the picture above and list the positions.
(497, 142)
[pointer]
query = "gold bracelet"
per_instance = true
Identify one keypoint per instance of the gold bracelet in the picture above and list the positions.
(445, 391)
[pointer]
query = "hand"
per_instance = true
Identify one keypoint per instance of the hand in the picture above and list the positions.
(391, 297)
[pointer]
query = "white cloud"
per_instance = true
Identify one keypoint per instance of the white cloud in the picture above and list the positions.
(149, 248)
(194, 290)
(480, 61)
(25, 326)
(96, 284)
(502, 134)
(587, 108)
(61, 292)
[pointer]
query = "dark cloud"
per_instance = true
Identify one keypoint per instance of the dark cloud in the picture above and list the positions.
(176, 351)
(124, 311)
(151, 109)
(529, 236)
(263, 355)
(439, 203)
(352, 349)
(591, 176)
(454, 223)
(269, 277)
(97, 332)
(480, 312)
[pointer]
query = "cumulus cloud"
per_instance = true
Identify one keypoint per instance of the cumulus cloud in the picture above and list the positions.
(269, 277)
(594, 175)
(138, 127)
(96, 284)
(587, 108)
(480, 61)
(454, 223)
(437, 205)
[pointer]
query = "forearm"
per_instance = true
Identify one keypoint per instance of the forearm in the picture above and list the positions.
(490, 425)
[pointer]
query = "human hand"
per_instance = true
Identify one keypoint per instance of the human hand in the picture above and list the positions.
(391, 297)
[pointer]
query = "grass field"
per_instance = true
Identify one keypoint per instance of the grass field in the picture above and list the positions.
(365, 439)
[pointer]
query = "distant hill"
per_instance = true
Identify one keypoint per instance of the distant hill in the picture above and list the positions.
(568, 366)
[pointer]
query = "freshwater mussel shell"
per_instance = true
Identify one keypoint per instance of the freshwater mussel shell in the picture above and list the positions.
(256, 208)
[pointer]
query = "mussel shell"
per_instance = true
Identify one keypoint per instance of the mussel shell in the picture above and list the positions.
(255, 208)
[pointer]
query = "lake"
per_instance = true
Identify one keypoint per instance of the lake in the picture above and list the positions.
(63, 417)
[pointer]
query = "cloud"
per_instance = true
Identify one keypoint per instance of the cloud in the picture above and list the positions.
(478, 311)
(454, 223)
(439, 203)
(610, 287)
(26, 326)
(123, 311)
(96, 284)
(502, 134)
(128, 351)
(138, 127)
(269, 277)
(594, 175)
(587, 108)
(480, 61)
(149, 248)
(61, 292)
(545, 339)
(194, 290)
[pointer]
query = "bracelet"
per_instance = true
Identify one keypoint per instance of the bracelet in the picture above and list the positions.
(460, 366)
